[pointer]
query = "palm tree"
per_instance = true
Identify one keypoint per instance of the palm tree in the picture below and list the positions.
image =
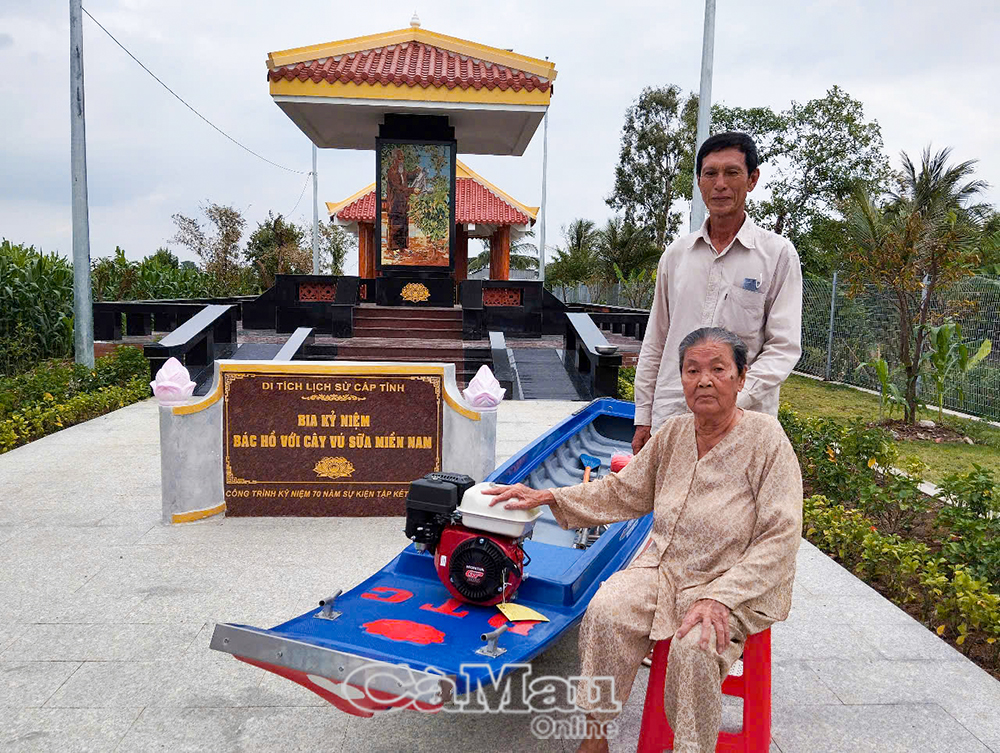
(927, 235)
(523, 254)
(577, 261)
(630, 247)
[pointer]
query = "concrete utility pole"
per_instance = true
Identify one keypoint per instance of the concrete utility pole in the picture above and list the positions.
(704, 109)
(83, 309)
(541, 222)
(315, 217)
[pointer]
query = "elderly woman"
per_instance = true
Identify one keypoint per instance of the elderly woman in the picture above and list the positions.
(726, 496)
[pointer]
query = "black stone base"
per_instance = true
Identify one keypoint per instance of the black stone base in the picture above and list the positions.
(389, 291)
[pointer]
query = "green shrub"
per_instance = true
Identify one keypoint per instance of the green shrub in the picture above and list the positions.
(50, 416)
(626, 383)
(950, 598)
(57, 381)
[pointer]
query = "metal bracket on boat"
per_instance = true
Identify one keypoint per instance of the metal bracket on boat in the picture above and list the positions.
(328, 612)
(491, 648)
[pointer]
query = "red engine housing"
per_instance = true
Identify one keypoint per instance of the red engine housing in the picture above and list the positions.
(478, 567)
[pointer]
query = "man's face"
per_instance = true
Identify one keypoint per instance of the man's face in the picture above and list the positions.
(724, 182)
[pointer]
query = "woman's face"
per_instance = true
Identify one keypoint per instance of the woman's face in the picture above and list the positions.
(710, 379)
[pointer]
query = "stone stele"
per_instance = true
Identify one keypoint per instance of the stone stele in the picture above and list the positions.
(317, 439)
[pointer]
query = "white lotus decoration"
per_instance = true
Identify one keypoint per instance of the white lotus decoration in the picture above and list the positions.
(484, 391)
(173, 383)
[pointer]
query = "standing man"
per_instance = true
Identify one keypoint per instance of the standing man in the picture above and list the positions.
(732, 274)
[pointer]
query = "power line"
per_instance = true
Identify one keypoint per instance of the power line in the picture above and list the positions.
(301, 194)
(179, 99)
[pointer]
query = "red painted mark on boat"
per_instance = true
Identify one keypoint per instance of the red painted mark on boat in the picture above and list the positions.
(395, 595)
(405, 630)
(518, 628)
(450, 607)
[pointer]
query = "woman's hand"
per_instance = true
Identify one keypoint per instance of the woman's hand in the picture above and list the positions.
(707, 612)
(524, 497)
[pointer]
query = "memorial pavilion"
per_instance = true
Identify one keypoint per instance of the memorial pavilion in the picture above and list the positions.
(417, 99)
(481, 211)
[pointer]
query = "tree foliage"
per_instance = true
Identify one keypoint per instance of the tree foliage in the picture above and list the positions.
(918, 239)
(817, 154)
(217, 245)
(657, 136)
(523, 254)
(577, 261)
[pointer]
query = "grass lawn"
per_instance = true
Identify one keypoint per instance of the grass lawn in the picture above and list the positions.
(817, 399)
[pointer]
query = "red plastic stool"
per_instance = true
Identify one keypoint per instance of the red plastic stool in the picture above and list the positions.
(753, 686)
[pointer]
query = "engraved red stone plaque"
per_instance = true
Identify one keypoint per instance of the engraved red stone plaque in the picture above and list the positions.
(328, 444)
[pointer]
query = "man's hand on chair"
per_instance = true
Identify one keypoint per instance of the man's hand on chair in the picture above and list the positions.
(708, 613)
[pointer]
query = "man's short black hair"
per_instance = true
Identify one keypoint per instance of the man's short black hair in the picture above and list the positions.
(721, 141)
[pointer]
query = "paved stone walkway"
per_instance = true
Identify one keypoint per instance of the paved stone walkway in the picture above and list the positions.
(106, 615)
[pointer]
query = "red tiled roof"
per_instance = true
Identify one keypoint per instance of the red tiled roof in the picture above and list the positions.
(410, 64)
(473, 203)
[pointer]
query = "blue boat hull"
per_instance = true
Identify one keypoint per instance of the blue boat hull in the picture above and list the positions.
(399, 640)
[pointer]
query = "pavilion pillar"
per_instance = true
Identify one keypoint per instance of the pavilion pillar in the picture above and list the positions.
(366, 250)
(461, 253)
(500, 254)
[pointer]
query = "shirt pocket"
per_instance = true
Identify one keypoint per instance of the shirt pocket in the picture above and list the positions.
(743, 315)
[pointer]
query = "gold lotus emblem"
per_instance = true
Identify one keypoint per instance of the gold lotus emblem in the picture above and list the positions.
(333, 468)
(414, 292)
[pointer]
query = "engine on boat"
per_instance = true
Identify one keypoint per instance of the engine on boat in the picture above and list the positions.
(478, 550)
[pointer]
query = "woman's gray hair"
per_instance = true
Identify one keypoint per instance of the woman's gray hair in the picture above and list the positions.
(718, 335)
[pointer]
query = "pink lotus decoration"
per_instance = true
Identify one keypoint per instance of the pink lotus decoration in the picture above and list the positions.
(484, 391)
(173, 383)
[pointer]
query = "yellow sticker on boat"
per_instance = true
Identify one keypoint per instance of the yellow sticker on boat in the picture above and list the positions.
(518, 612)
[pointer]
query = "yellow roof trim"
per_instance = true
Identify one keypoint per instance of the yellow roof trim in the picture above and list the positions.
(333, 207)
(542, 68)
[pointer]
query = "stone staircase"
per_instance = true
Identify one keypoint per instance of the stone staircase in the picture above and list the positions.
(393, 333)
(425, 323)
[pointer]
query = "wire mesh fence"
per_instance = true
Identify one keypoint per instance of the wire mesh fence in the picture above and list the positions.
(866, 326)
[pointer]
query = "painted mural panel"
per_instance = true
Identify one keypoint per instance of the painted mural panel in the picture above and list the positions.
(415, 185)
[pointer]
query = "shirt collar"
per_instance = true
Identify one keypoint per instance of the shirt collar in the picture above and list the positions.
(746, 235)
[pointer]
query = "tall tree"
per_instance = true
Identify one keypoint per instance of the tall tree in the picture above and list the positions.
(925, 236)
(334, 246)
(275, 247)
(657, 135)
(217, 244)
(817, 153)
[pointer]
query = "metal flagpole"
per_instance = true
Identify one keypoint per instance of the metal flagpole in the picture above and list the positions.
(545, 172)
(315, 217)
(704, 108)
(83, 311)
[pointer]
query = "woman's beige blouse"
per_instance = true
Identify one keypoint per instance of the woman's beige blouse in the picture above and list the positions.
(726, 527)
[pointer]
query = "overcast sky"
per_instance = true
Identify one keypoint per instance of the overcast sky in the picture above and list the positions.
(926, 70)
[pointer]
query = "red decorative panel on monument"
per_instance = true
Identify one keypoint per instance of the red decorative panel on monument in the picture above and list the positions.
(317, 291)
(502, 296)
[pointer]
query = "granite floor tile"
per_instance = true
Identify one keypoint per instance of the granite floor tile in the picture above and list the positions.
(183, 684)
(819, 640)
(966, 692)
(927, 728)
(27, 684)
(795, 683)
(227, 730)
(9, 632)
(102, 642)
(61, 730)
